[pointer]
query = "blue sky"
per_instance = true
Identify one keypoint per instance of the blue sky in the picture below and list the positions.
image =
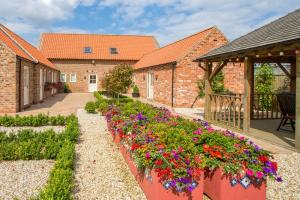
(167, 20)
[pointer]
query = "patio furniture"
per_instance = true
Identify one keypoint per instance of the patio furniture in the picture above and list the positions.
(287, 104)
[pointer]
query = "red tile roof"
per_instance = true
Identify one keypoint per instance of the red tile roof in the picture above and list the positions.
(70, 46)
(22, 48)
(172, 52)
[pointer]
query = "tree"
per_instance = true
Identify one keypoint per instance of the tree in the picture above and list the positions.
(264, 84)
(119, 79)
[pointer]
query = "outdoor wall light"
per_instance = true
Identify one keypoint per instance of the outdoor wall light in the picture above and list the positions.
(297, 51)
(156, 77)
(281, 53)
(93, 61)
(269, 54)
(144, 78)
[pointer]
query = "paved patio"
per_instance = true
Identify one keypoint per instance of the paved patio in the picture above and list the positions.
(63, 104)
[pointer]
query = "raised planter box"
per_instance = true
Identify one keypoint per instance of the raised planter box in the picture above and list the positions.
(220, 187)
(152, 187)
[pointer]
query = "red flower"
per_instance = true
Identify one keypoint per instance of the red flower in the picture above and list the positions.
(135, 146)
(263, 159)
(158, 162)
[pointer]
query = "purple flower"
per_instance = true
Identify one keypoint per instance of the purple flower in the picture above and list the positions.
(279, 179)
(267, 170)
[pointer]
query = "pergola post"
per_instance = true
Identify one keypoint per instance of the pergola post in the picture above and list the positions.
(208, 91)
(297, 131)
(293, 76)
(248, 71)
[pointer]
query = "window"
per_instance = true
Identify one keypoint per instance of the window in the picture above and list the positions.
(87, 50)
(113, 51)
(63, 78)
(73, 78)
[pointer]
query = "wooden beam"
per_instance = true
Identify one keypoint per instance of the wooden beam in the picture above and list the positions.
(297, 131)
(199, 65)
(217, 69)
(248, 67)
(208, 91)
(284, 70)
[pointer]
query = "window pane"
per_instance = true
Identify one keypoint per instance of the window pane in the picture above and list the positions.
(73, 78)
(63, 78)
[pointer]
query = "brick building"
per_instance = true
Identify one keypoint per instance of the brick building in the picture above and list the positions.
(168, 75)
(24, 71)
(83, 59)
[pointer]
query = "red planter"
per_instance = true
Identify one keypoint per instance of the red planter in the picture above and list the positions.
(219, 187)
(153, 188)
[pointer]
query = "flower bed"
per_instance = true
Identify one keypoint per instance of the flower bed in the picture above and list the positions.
(179, 150)
(28, 145)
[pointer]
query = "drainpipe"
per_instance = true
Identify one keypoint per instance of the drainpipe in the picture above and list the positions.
(172, 95)
(20, 84)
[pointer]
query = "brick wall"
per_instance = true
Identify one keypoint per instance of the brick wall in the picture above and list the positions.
(234, 77)
(162, 85)
(188, 73)
(8, 77)
(83, 68)
(11, 92)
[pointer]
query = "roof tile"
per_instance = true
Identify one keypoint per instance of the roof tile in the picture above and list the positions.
(70, 46)
(172, 52)
(22, 48)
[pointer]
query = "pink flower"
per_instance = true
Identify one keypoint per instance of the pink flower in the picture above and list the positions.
(250, 172)
(148, 155)
(242, 138)
(210, 129)
(259, 174)
(198, 131)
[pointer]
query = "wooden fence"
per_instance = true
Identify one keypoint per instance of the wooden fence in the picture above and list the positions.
(227, 109)
(265, 106)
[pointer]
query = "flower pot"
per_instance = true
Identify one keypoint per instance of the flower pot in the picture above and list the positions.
(221, 187)
(135, 95)
(153, 188)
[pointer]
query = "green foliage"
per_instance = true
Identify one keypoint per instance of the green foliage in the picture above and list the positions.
(264, 84)
(90, 107)
(39, 120)
(201, 88)
(135, 89)
(217, 84)
(27, 145)
(66, 88)
(119, 79)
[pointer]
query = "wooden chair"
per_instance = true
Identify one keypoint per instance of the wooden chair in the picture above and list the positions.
(287, 104)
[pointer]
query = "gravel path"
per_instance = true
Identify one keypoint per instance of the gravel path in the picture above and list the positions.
(100, 171)
(57, 129)
(23, 179)
(289, 169)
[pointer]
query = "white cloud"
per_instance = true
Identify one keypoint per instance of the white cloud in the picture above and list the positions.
(168, 20)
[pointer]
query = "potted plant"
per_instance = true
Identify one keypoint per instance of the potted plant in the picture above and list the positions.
(135, 91)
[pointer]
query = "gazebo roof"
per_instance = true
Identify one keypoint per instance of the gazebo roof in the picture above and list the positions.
(281, 31)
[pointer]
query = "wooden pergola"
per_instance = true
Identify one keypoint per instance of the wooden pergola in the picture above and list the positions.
(277, 42)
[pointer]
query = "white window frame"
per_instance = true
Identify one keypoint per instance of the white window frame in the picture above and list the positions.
(71, 75)
(63, 80)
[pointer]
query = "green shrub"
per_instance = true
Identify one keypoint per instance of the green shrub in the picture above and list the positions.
(90, 107)
(39, 120)
(135, 89)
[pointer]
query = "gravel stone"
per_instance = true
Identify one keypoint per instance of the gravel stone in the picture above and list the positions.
(100, 170)
(23, 179)
(8, 130)
(289, 169)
